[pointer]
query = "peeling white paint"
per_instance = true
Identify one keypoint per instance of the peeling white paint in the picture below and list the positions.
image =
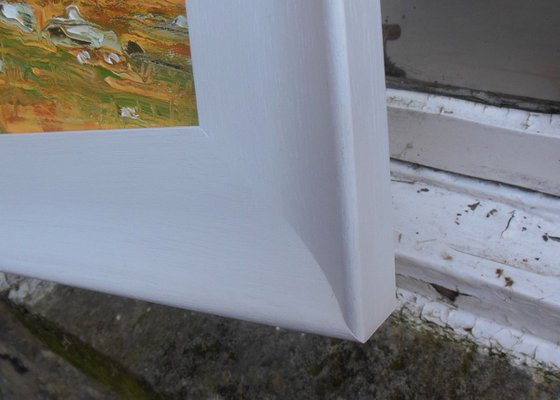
(523, 348)
(459, 319)
(485, 245)
(505, 118)
(435, 312)
(495, 143)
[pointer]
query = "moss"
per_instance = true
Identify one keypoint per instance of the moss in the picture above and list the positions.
(84, 357)
(467, 362)
(398, 364)
(498, 354)
(338, 372)
(313, 369)
(207, 349)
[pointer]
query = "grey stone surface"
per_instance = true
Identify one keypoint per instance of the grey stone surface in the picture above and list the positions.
(183, 355)
(29, 370)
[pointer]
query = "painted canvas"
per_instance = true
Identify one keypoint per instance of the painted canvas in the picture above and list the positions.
(94, 64)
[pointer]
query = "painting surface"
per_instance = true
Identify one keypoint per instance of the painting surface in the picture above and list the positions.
(94, 64)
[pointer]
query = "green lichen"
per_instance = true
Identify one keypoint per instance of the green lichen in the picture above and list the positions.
(84, 357)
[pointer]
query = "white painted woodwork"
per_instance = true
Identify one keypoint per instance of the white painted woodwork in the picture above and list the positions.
(496, 246)
(506, 145)
(275, 210)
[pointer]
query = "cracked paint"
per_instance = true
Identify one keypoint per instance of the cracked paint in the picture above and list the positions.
(472, 256)
(523, 348)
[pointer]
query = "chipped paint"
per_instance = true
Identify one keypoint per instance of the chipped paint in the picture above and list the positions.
(477, 248)
(522, 348)
(495, 143)
(506, 118)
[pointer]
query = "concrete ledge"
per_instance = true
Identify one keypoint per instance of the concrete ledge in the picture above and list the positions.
(31, 370)
(181, 354)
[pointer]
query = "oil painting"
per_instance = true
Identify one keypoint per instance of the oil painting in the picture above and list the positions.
(94, 64)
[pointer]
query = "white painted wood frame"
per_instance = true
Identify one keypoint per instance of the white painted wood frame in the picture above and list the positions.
(475, 256)
(512, 146)
(480, 258)
(276, 209)
(462, 49)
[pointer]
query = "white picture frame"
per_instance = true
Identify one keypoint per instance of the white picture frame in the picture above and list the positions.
(276, 209)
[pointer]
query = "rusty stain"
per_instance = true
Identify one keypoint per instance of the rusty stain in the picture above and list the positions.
(446, 257)
(499, 272)
(509, 281)
(391, 32)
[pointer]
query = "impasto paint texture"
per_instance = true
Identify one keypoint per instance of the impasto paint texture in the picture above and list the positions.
(94, 64)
